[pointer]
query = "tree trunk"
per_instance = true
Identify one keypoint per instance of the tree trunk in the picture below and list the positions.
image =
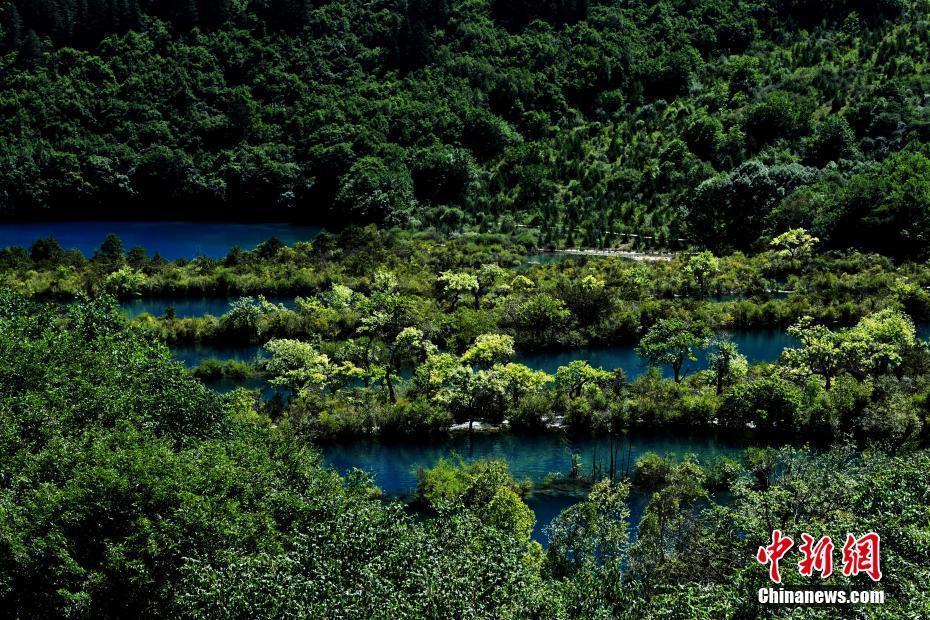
(390, 385)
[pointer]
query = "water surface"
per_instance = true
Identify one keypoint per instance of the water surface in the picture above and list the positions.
(172, 240)
(761, 345)
(187, 307)
(393, 465)
(192, 355)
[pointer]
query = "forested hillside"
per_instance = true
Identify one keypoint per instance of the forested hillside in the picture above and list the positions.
(718, 122)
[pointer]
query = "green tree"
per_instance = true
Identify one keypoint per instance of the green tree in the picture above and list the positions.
(701, 268)
(794, 245)
(820, 353)
(672, 342)
(574, 377)
(593, 535)
(488, 350)
(299, 367)
(726, 362)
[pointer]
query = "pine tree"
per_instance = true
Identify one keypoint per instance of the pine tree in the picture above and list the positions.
(11, 34)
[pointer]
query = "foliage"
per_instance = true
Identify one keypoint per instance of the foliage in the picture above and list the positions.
(584, 123)
(672, 342)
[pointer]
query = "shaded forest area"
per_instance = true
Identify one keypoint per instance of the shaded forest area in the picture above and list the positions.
(710, 123)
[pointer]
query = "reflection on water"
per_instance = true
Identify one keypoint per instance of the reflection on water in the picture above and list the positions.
(186, 307)
(393, 465)
(762, 345)
(192, 355)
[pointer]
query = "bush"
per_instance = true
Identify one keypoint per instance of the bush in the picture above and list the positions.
(652, 471)
(531, 413)
(770, 404)
(411, 418)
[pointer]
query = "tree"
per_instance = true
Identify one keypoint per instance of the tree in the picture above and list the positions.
(887, 206)
(409, 346)
(795, 245)
(726, 362)
(124, 282)
(299, 366)
(539, 320)
(488, 350)
(588, 298)
(672, 342)
(572, 378)
(387, 323)
(820, 353)
(879, 343)
(703, 135)
(777, 116)
(110, 255)
(519, 380)
(728, 211)
(593, 535)
(770, 404)
(483, 486)
(489, 274)
(46, 252)
(376, 190)
(455, 285)
(832, 140)
(702, 267)
(669, 525)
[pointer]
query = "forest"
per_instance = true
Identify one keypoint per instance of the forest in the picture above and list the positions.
(131, 488)
(714, 124)
(587, 300)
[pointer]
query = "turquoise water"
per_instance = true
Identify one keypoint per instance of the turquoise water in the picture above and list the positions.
(758, 346)
(185, 307)
(172, 240)
(763, 345)
(192, 355)
(393, 465)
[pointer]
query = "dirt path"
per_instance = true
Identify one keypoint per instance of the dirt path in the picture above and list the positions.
(640, 256)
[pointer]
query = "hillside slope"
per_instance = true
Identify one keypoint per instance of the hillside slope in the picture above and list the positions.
(720, 122)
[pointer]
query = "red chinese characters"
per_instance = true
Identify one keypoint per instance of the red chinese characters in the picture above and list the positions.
(860, 555)
(773, 553)
(817, 557)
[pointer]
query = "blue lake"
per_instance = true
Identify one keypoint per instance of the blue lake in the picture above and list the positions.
(393, 466)
(192, 355)
(172, 240)
(763, 345)
(185, 307)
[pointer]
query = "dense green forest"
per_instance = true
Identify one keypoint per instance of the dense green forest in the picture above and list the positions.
(128, 489)
(710, 123)
(766, 162)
